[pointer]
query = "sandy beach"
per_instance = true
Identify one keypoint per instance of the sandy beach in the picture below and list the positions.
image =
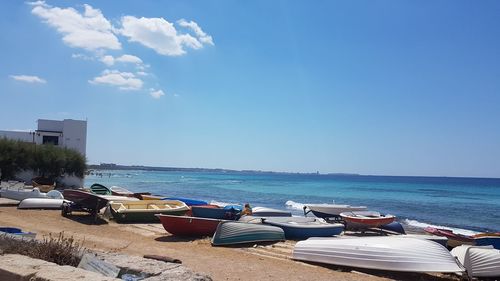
(263, 262)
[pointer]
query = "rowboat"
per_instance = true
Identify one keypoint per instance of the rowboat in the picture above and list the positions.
(41, 203)
(268, 212)
(16, 232)
(145, 210)
(365, 219)
(188, 201)
(189, 226)
(454, 239)
(120, 191)
(230, 232)
(303, 228)
(230, 212)
(479, 261)
(493, 239)
(22, 193)
(393, 228)
(438, 239)
(83, 201)
(331, 210)
(100, 189)
(383, 253)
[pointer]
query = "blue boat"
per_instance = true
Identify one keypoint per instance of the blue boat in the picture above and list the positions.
(229, 232)
(230, 212)
(493, 240)
(300, 228)
(393, 227)
(17, 232)
(187, 201)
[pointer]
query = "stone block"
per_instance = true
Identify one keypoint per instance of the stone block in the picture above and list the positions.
(20, 268)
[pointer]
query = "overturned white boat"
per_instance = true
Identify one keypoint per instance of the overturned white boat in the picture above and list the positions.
(20, 194)
(41, 203)
(331, 210)
(479, 261)
(269, 212)
(382, 253)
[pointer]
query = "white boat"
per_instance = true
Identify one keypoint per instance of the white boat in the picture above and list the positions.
(383, 253)
(479, 261)
(268, 212)
(120, 191)
(230, 232)
(41, 203)
(332, 210)
(20, 194)
(438, 239)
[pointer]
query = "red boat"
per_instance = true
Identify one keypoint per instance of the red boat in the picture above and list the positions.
(189, 226)
(366, 219)
(454, 239)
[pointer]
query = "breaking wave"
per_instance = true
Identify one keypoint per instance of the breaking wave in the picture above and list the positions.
(418, 224)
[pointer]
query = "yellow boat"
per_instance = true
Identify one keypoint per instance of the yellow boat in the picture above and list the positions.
(145, 210)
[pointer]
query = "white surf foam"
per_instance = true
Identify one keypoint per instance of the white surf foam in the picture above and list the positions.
(418, 224)
(294, 205)
(222, 204)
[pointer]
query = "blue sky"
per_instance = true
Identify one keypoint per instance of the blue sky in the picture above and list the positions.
(370, 87)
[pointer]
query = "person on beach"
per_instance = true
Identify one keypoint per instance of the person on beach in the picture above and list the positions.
(247, 210)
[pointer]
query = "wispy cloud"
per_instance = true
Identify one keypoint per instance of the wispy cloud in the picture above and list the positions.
(158, 34)
(110, 60)
(156, 93)
(202, 36)
(28, 78)
(89, 29)
(122, 80)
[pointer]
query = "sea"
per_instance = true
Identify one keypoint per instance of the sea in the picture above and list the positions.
(465, 205)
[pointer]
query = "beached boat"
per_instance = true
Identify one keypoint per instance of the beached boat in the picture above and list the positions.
(454, 239)
(100, 189)
(268, 212)
(365, 219)
(189, 226)
(393, 228)
(382, 253)
(230, 212)
(44, 184)
(188, 201)
(145, 210)
(230, 232)
(492, 239)
(120, 191)
(331, 210)
(21, 193)
(438, 239)
(479, 261)
(84, 200)
(41, 203)
(303, 228)
(17, 232)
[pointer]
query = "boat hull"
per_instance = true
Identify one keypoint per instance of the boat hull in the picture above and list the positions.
(479, 261)
(189, 226)
(41, 203)
(229, 233)
(381, 253)
(215, 212)
(332, 210)
(299, 229)
(84, 199)
(145, 211)
(363, 219)
(268, 212)
(488, 240)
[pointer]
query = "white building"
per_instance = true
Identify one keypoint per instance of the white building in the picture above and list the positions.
(66, 133)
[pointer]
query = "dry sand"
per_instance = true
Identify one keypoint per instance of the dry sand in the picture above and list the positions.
(263, 262)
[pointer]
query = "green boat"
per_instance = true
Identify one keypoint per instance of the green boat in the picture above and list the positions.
(144, 211)
(230, 232)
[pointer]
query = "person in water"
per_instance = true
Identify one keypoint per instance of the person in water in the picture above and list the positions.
(247, 210)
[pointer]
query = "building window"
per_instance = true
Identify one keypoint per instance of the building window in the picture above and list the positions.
(50, 140)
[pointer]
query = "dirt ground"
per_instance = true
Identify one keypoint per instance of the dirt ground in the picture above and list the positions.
(262, 262)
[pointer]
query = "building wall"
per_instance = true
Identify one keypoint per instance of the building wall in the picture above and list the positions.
(75, 135)
(14, 135)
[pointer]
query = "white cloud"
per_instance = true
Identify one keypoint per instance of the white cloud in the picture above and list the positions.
(156, 93)
(81, 56)
(202, 36)
(108, 60)
(28, 78)
(123, 80)
(89, 30)
(158, 34)
(141, 73)
(129, 59)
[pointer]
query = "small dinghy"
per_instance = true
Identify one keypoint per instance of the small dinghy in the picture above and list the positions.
(479, 261)
(189, 226)
(303, 228)
(268, 212)
(230, 232)
(17, 232)
(484, 239)
(188, 201)
(454, 239)
(230, 212)
(145, 210)
(120, 191)
(366, 219)
(331, 210)
(41, 203)
(20, 194)
(390, 253)
(100, 189)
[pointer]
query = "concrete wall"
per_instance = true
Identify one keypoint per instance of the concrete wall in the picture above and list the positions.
(15, 135)
(75, 135)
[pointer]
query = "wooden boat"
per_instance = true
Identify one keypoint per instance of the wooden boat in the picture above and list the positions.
(303, 228)
(230, 232)
(479, 261)
(16, 232)
(20, 194)
(331, 210)
(145, 210)
(230, 212)
(189, 226)
(382, 253)
(454, 239)
(365, 219)
(188, 201)
(100, 189)
(268, 212)
(120, 191)
(484, 240)
(44, 184)
(85, 201)
(41, 203)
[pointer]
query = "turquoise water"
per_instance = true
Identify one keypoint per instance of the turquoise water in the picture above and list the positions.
(465, 204)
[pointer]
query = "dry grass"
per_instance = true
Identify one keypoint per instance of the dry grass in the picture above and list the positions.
(57, 249)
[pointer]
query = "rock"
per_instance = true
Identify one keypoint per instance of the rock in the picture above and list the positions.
(18, 267)
(63, 273)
